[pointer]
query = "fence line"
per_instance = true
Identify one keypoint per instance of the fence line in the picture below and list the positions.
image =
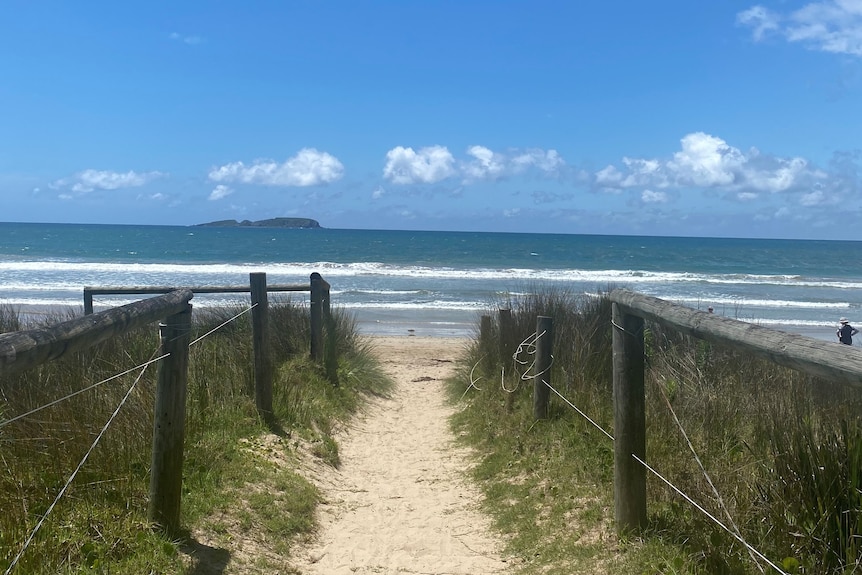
(543, 381)
(120, 374)
(89, 292)
(630, 309)
(22, 350)
(222, 324)
(814, 357)
(77, 469)
(734, 533)
(143, 367)
(26, 349)
(321, 317)
(6, 422)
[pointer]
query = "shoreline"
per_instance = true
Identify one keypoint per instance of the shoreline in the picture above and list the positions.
(396, 322)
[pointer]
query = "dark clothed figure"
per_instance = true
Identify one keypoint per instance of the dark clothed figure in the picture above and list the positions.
(846, 332)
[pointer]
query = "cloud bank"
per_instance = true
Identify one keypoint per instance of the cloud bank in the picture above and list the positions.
(89, 180)
(708, 162)
(829, 26)
(308, 167)
(433, 164)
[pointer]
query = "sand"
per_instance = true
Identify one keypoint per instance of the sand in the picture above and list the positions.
(401, 501)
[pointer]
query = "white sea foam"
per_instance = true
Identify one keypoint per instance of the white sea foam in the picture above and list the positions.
(118, 271)
(748, 302)
(437, 305)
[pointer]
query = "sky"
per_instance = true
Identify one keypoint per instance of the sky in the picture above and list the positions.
(669, 117)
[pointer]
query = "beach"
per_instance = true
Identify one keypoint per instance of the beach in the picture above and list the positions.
(401, 500)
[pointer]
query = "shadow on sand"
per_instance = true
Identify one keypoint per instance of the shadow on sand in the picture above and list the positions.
(206, 560)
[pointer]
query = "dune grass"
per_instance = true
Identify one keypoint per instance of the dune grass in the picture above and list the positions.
(232, 476)
(783, 450)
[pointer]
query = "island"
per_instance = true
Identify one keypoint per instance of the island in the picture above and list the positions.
(298, 223)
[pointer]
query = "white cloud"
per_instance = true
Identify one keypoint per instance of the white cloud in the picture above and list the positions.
(378, 193)
(761, 19)
(486, 164)
(308, 167)
(512, 213)
(435, 163)
(708, 162)
(829, 25)
(546, 161)
(780, 174)
(746, 196)
(427, 166)
(89, 180)
(651, 197)
(219, 192)
(643, 172)
(609, 176)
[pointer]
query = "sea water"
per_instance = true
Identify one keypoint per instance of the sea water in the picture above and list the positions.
(437, 283)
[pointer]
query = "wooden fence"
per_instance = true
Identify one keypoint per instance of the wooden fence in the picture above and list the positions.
(23, 350)
(824, 359)
(258, 288)
(840, 363)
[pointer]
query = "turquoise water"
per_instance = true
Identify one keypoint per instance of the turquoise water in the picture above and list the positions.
(439, 281)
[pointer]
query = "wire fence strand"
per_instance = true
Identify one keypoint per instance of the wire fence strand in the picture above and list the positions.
(65, 487)
(143, 368)
(118, 375)
(718, 522)
(80, 391)
(223, 324)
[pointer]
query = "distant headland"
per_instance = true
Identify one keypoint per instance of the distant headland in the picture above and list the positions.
(302, 223)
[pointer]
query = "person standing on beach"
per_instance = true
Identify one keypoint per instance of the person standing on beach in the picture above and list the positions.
(846, 332)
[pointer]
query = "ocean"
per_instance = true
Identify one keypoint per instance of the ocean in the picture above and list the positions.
(437, 283)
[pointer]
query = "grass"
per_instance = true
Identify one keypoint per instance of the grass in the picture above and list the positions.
(240, 474)
(782, 449)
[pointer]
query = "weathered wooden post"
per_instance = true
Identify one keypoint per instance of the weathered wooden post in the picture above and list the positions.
(166, 476)
(88, 301)
(629, 421)
(485, 349)
(507, 328)
(260, 339)
(317, 304)
(330, 350)
(504, 318)
(544, 361)
(485, 328)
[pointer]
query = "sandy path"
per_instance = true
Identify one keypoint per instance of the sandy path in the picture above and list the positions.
(401, 502)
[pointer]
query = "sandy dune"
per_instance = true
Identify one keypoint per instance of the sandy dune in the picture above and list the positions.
(401, 501)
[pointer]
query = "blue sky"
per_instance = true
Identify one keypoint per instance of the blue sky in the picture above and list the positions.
(671, 117)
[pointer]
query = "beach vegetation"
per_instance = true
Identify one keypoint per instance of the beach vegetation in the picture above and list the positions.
(772, 454)
(242, 475)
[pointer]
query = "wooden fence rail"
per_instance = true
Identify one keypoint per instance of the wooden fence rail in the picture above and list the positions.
(89, 292)
(319, 288)
(27, 349)
(823, 359)
(839, 363)
(22, 350)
